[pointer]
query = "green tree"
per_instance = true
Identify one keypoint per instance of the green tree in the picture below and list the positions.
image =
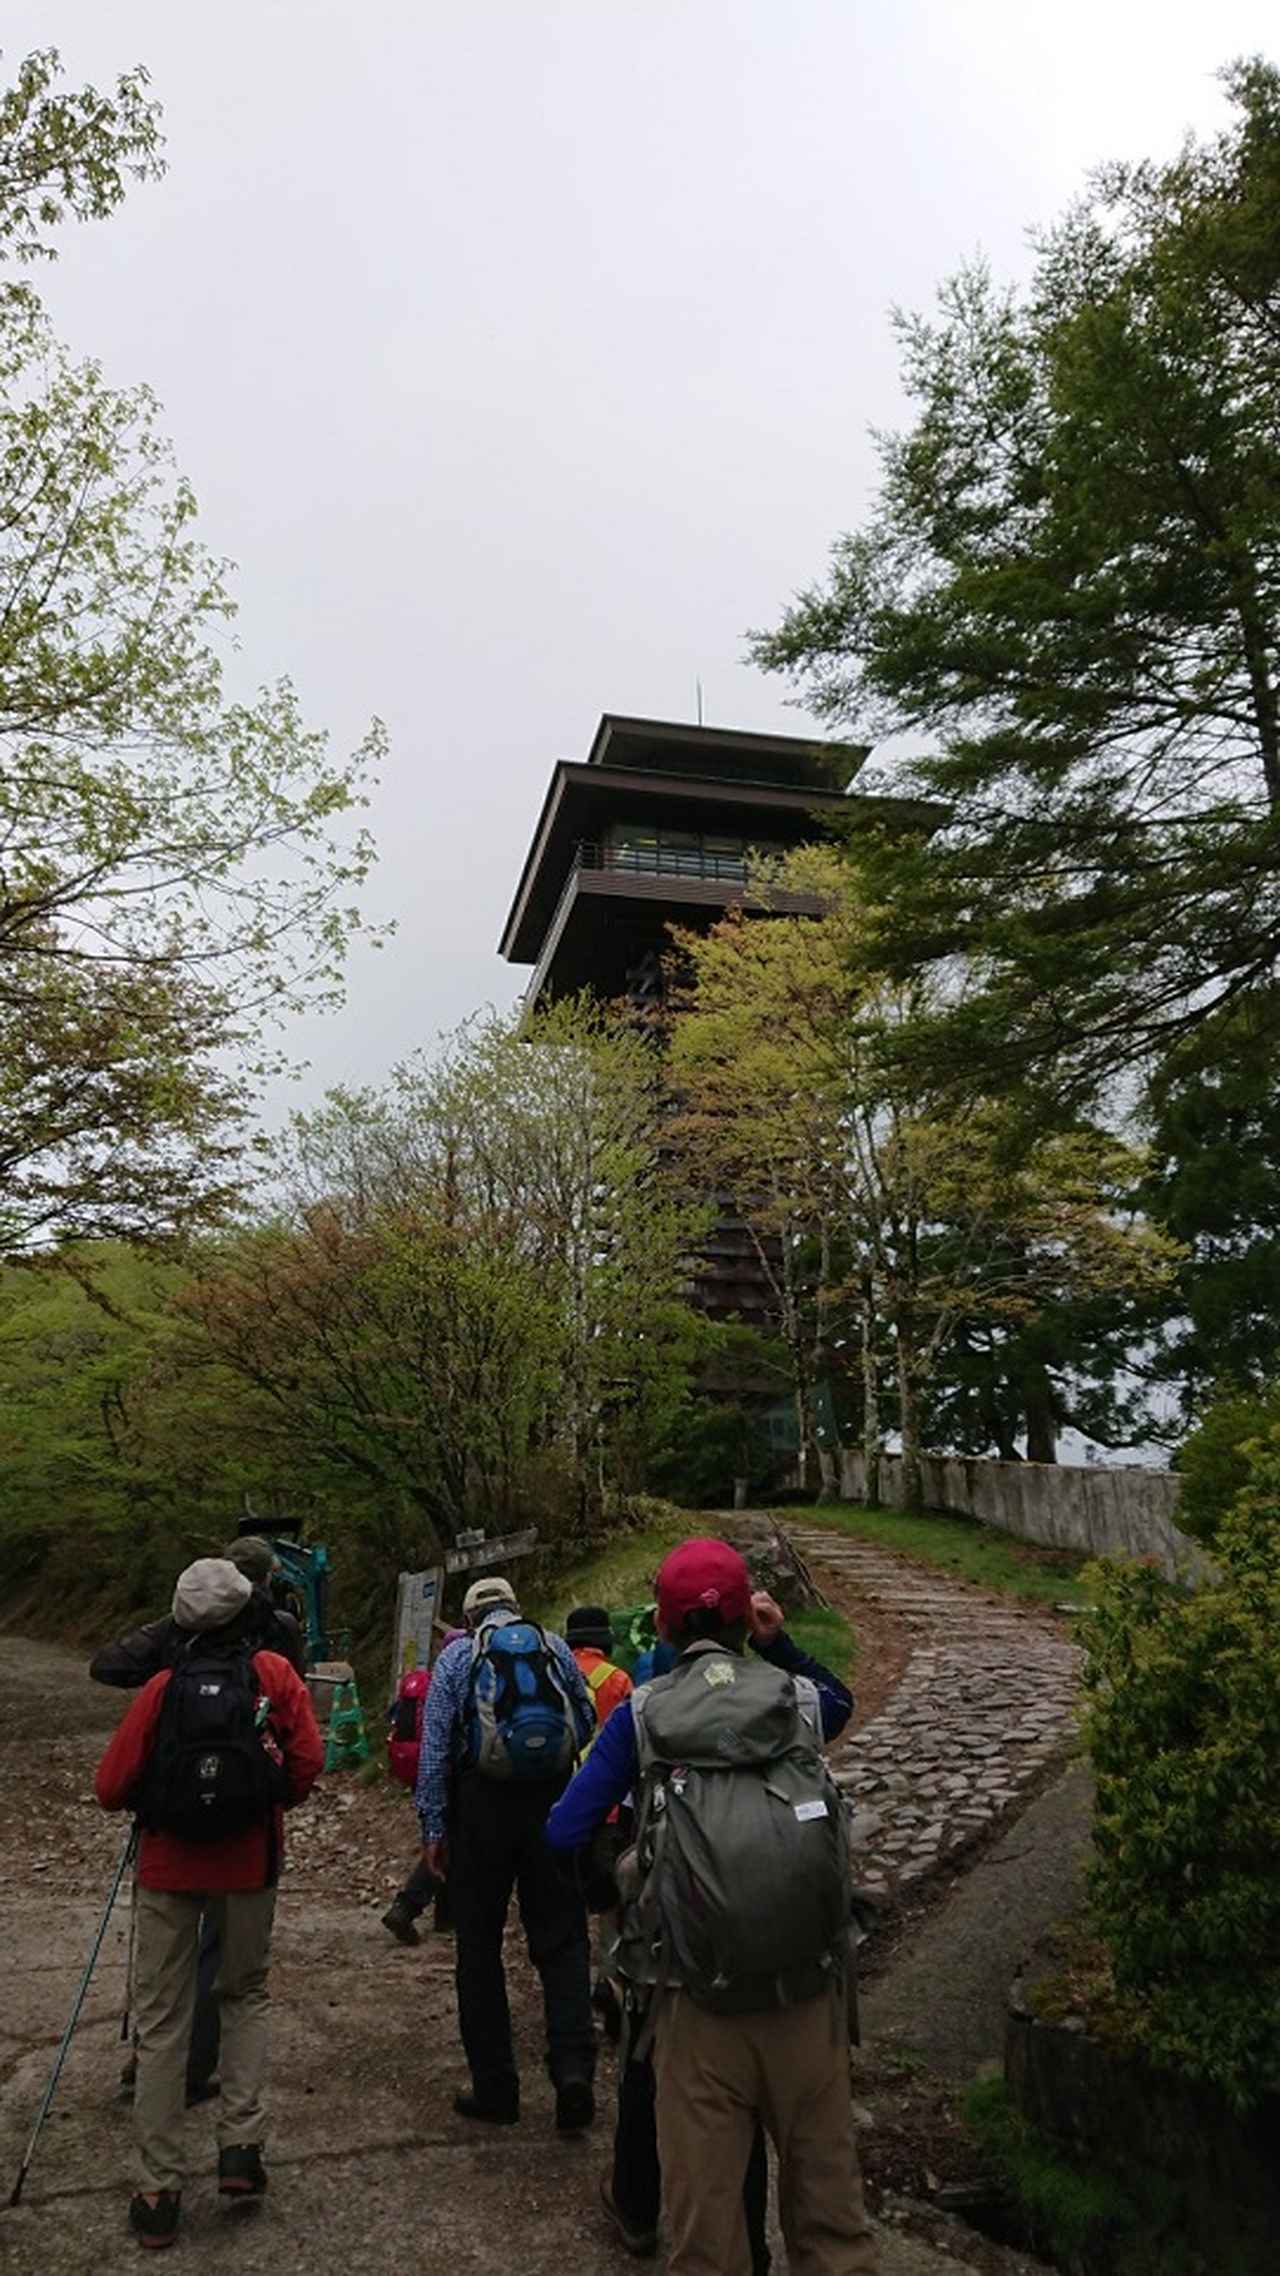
(176, 868)
(67, 153)
(1069, 587)
(112, 1414)
(1213, 1182)
(920, 1216)
(474, 1281)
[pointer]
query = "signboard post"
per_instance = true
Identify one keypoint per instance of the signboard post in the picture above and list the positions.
(418, 1598)
(419, 1595)
(472, 1549)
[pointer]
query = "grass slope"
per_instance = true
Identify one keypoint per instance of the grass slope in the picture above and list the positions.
(958, 1545)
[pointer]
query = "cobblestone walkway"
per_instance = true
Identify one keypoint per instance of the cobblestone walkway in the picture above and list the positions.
(986, 1700)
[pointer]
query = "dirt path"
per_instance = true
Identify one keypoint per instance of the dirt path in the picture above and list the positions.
(372, 2174)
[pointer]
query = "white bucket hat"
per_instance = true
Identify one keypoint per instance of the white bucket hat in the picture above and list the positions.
(209, 1594)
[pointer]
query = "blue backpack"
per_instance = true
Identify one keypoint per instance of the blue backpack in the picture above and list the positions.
(519, 1722)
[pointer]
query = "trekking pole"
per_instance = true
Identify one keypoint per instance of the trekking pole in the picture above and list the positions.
(125, 1861)
(128, 1965)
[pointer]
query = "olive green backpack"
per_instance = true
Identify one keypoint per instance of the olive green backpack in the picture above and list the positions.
(740, 1881)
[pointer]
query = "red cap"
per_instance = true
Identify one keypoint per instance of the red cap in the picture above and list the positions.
(702, 1576)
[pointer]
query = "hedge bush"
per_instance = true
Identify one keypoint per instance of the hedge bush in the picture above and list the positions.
(1216, 1462)
(1184, 1731)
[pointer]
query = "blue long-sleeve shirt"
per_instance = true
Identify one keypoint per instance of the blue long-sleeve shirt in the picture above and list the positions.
(443, 1736)
(609, 1772)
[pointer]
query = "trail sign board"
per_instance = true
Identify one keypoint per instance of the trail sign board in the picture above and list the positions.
(418, 1599)
(470, 1553)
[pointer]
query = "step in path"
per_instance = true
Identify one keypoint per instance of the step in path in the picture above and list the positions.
(987, 1698)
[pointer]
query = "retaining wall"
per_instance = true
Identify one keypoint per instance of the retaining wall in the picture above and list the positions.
(1105, 1513)
(1205, 2176)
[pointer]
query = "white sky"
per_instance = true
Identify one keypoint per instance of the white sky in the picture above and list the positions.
(523, 352)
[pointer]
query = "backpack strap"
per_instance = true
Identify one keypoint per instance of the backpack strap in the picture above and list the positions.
(599, 1676)
(809, 1702)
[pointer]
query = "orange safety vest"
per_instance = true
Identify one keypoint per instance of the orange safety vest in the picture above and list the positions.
(596, 1678)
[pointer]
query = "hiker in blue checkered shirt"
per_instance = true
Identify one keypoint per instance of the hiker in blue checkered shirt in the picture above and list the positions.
(507, 1716)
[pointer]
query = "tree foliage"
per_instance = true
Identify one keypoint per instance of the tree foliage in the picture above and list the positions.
(66, 153)
(1184, 1731)
(1069, 588)
(176, 866)
(1213, 1181)
(874, 1201)
(471, 1295)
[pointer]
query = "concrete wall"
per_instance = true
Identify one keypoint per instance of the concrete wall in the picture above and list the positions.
(1106, 1513)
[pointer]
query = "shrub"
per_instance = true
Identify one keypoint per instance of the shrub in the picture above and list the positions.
(1184, 1731)
(1214, 1462)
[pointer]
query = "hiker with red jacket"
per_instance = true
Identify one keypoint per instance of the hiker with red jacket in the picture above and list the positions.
(126, 1665)
(211, 1752)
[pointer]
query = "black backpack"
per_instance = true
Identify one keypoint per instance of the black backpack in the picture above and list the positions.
(214, 1769)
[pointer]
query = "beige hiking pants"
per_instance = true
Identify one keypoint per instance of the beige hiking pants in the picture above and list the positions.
(715, 2075)
(167, 1944)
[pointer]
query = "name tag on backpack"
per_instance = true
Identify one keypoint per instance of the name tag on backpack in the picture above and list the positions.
(807, 1811)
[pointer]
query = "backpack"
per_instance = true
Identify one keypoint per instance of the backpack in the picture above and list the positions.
(740, 1882)
(518, 1720)
(214, 1769)
(404, 1725)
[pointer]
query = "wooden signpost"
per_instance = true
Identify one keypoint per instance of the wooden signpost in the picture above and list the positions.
(472, 1549)
(419, 1596)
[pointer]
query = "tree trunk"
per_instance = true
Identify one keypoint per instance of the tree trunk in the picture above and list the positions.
(870, 1400)
(811, 1452)
(1042, 1425)
(828, 1465)
(909, 1424)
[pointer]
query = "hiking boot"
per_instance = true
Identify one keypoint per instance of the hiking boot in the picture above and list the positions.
(399, 1920)
(241, 2172)
(493, 2109)
(154, 2217)
(202, 2090)
(639, 2242)
(575, 2106)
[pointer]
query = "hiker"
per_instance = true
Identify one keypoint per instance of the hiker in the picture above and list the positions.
(131, 1661)
(142, 1652)
(209, 1754)
(745, 2001)
(588, 1632)
(405, 1718)
(507, 1715)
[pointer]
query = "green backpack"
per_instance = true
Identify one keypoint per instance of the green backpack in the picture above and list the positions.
(740, 1881)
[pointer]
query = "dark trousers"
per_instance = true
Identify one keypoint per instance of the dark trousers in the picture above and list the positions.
(206, 2027)
(637, 2173)
(497, 1845)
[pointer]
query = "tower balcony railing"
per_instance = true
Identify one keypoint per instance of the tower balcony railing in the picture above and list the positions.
(665, 861)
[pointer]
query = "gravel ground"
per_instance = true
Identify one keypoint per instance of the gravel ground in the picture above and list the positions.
(372, 2174)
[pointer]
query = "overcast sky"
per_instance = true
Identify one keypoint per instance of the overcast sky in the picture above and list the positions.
(523, 352)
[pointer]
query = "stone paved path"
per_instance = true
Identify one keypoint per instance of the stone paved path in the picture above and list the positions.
(986, 1700)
